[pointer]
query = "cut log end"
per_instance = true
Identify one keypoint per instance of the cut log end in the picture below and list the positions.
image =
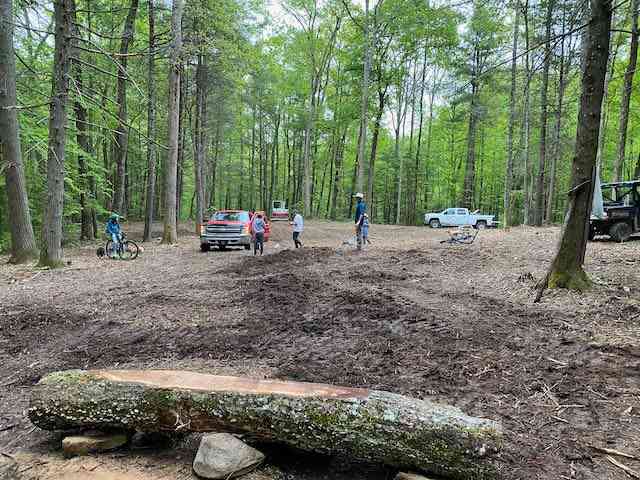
(367, 425)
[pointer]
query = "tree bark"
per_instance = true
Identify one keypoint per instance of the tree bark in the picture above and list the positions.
(627, 90)
(508, 178)
(23, 244)
(566, 270)
(171, 169)
(367, 425)
(51, 253)
(202, 92)
(122, 130)
(151, 129)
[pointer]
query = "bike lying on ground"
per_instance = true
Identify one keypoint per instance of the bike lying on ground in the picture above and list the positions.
(126, 249)
(462, 236)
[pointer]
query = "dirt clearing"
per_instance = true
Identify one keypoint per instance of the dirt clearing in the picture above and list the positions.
(409, 315)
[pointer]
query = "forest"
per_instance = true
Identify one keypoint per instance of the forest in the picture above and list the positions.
(154, 109)
(467, 353)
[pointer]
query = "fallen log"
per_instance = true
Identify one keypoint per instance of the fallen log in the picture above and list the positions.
(364, 424)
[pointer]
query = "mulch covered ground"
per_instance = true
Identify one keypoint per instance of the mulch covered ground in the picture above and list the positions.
(409, 315)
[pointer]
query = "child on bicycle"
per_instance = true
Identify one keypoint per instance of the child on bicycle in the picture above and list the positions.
(113, 230)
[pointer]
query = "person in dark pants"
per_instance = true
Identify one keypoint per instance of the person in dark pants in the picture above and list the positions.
(298, 228)
(258, 227)
(361, 209)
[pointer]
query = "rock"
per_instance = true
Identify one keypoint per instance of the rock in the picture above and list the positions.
(85, 444)
(366, 425)
(410, 476)
(222, 455)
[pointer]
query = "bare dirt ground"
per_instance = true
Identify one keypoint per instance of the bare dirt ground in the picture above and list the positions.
(409, 315)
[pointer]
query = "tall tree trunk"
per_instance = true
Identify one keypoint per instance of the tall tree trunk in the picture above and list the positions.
(626, 94)
(338, 176)
(508, 178)
(470, 170)
(214, 164)
(82, 137)
(308, 134)
(615, 42)
(526, 123)
(566, 270)
(151, 129)
(416, 173)
(427, 153)
(122, 130)
(557, 151)
(364, 105)
(382, 97)
(171, 170)
(539, 214)
(51, 253)
(274, 166)
(184, 80)
(253, 159)
(23, 244)
(202, 92)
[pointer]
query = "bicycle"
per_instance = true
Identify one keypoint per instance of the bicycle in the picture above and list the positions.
(127, 249)
(461, 236)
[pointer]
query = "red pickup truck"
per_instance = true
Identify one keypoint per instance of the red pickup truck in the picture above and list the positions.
(229, 228)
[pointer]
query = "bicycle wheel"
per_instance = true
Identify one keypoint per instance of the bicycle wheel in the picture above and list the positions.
(108, 249)
(129, 250)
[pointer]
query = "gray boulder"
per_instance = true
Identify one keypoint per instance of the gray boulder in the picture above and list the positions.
(222, 455)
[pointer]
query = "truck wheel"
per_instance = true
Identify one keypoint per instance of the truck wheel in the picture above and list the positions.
(204, 247)
(434, 223)
(481, 225)
(592, 234)
(620, 232)
(247, 247)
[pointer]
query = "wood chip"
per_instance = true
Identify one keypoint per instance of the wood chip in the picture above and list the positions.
(632, 473)
(611, 451)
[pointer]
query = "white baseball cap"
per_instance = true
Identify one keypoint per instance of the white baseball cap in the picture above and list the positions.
(359, 195)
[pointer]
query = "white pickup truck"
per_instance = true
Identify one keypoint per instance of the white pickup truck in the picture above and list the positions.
(455, 217)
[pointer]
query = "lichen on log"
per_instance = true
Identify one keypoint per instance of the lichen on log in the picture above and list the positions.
(367, 425)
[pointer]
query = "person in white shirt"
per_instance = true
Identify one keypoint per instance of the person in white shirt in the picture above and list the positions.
(298, 227)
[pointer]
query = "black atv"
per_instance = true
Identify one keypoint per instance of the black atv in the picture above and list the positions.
(621, 201)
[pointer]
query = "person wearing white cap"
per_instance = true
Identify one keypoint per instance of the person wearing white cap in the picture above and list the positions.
(361, 209)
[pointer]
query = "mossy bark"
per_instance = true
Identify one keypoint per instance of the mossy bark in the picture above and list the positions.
(366, 425)
(566, 270)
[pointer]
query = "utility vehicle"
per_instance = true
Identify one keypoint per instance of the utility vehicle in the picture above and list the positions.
(621, 219)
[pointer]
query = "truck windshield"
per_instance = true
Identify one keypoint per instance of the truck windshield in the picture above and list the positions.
(230, 217)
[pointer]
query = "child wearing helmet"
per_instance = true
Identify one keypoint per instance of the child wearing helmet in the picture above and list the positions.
(113, 231)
